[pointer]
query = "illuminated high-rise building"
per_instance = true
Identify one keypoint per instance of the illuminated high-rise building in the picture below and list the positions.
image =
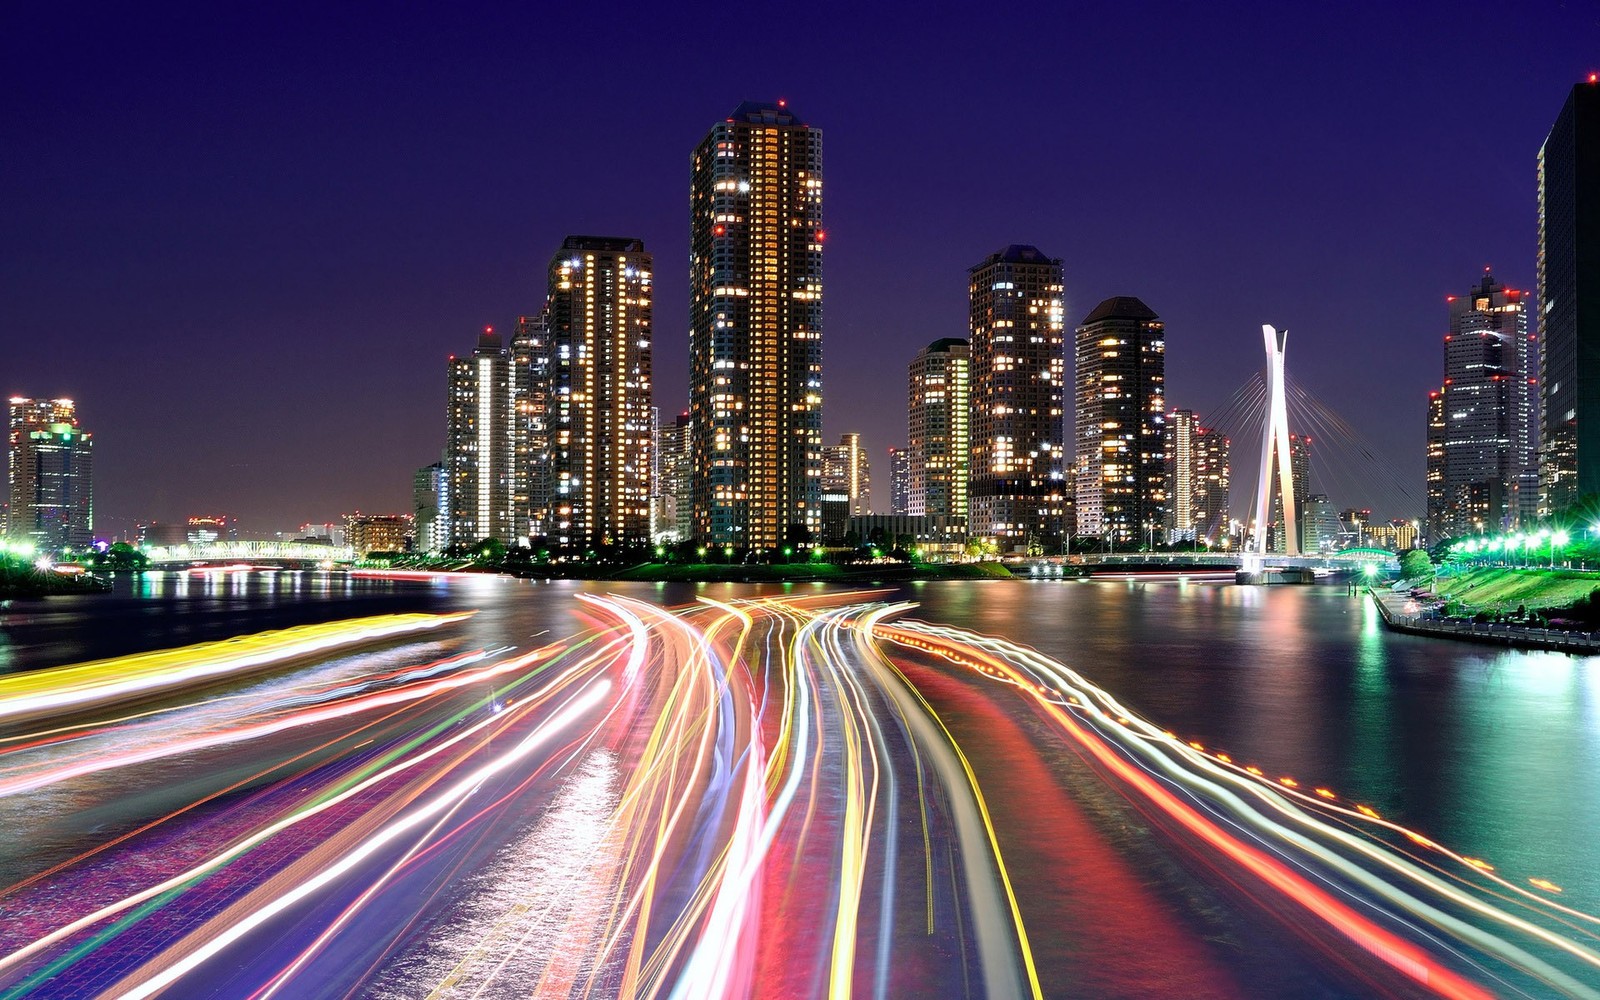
(1300, 482)
(899, 480)
(1322, 523)
(50, 472)
(673, 517)
(1435, 465)
(846, 469)
(755, 322)
(939, 429)
(1569, 301)
(531, 390)
(1489, 433)
(427, 499)
(1018, 486)
(479, 451)
(206, 528)
(598, 415)
(1121, 422)
(1197, 480)
(1181, 431)
(1212, 477)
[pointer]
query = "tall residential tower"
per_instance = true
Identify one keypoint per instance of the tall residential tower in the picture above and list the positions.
(755, 327)
(1121, 422)
(939, 429)
(479, 451)
(598, 327)
(1198, 477)
(1018, 479)
(846, 469)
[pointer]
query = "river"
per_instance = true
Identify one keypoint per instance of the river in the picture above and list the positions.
(1493, 753)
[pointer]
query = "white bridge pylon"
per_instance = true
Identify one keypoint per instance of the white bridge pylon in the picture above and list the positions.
(1276, 442)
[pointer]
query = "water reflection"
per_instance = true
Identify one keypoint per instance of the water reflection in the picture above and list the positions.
(1494, 751)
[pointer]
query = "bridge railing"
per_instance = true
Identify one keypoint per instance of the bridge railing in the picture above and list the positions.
(1329, 560)
(248, 552)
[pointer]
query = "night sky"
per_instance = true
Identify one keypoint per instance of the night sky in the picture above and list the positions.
(246, 237)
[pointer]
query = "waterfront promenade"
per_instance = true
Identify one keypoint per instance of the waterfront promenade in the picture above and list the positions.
(1400, 613)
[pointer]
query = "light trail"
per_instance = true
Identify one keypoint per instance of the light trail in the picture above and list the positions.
(775, 801)
(78, 687)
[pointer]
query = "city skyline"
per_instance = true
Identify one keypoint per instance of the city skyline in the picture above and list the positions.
(1218, 273)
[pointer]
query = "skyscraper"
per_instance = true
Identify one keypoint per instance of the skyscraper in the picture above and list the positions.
(1181, 428)
(1300, 480)
(1322, 524)
(479, 451)
(939, 429)
(899, 481)
(50, 469)
(1197, 480)
(1435, 467)
(1018, 479)
(1569, 301)
(598, 327)
(1489, 431)
(1213, 473)
(755, 322)
(1121, 422)
(426, 502)
(531, 389)
(846, 469)
(203, 528)
(673, 521)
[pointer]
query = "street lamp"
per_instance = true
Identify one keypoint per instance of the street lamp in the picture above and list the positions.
(1558, 540)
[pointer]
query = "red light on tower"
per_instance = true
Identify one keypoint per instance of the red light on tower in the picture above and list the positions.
(784, 104)
(718, 230)
(1594, 77)
(820, 235)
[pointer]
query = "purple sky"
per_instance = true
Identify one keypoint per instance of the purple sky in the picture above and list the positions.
(246, 237)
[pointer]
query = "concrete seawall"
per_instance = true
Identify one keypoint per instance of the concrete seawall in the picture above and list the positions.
(1392, 609)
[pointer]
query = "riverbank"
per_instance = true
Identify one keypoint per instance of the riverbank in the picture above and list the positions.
(1400, 613)
(805, 572)
(1496, 589)
(30, 583)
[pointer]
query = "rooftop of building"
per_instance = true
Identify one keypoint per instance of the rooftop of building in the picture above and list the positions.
(945, 344)
(765, 113)
(1017, 253)
(605, 244)
(1120, 307)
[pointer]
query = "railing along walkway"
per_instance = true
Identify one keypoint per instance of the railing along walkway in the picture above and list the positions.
(1391, 608)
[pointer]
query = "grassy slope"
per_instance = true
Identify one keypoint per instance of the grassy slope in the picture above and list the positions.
(1504, 589)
